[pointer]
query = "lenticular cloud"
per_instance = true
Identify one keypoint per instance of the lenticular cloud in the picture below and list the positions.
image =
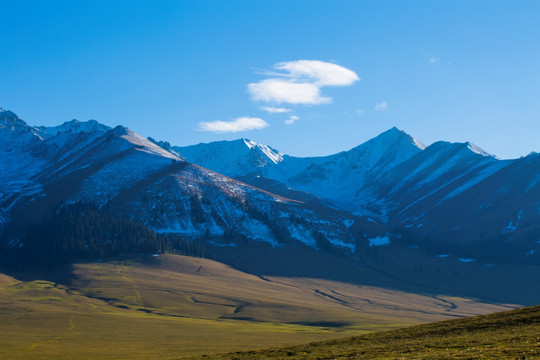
(300, 82)
(319, 72)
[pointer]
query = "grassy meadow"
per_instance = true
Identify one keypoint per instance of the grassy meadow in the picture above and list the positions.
(508, 335)
(174, 306)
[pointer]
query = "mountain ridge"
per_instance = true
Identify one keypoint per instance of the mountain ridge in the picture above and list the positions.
(439, 192)
(131, 176)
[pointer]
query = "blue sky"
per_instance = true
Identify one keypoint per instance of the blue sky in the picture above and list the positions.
(439, 70)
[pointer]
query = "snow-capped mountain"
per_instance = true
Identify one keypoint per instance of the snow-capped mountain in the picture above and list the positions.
(15, 134)
(392, 174)
(431, 177)
(500, 205)
(455, 192)
(231, 158)
(337, 177)
(341, 177)
(19, 162)
(446, 194)
(131, 176)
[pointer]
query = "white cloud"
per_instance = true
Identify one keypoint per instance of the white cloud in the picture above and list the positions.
(360, 112)
(433, 59)
(319, 72)
(285, 91)
(381, 106)
(299, 82)
(291, 119)
(275, 110)
(241, 124)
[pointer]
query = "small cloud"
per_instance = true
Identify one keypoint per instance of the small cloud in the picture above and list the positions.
(381, 106)
(291, 120)
(433, 59)
(360, 112)
(300, 82)
(240, 124)
(275, 110)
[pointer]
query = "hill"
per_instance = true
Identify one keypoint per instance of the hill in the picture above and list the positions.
(171, 306)
(507, 335)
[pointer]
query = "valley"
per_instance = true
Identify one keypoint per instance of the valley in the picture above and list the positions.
(172, 306)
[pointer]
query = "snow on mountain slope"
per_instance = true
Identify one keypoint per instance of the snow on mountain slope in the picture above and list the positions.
(231, 158)
(98, 164)
(131, 176)
(193, 201)
(340, 177)
(505, 206)
(15, 134)
(455, 192)
(439, 172)
(19, 163)
(128, 158)
(430, 191)
(337, 177)
(17, 172)
(405, 193)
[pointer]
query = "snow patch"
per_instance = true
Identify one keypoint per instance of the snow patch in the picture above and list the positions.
(301, 235)
(511, 226)
(340, 243)
(379, 241)
(273, 155)
(475, 149)
(218, 244)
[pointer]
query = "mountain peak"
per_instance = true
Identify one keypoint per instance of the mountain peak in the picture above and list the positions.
(10, 120)
(249, 143)
(265, 151)
(394, 135)
(477, 149)
(72, 126)
(464, 148)
(120, 130)
(15, 133)
(394, 131)
(231, 158)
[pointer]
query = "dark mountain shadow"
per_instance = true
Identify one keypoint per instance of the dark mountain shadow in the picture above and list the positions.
(392, 267)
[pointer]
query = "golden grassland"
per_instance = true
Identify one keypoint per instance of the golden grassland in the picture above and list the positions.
(508, 335)
(175, 306)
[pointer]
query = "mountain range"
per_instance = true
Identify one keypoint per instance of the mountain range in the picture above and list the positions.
(451, 195)
(446, 197)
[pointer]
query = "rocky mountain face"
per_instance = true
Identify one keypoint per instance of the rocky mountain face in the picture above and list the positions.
(130, 176)
(444, 197)
(448, 195)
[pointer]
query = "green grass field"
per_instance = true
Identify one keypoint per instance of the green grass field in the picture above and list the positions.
(174, 306)
(508, 335)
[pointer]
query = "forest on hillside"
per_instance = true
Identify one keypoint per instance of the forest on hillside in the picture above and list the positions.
(82, 231)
